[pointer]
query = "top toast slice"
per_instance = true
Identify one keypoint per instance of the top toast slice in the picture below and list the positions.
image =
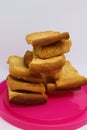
(69, 77)
(45, 38)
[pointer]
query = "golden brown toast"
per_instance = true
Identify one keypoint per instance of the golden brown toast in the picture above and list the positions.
(18, 70)
(26, 98)
(28, 56)
(25, 86)
(52, 89)
(44, 65)
(69, 77)
(55, 49)
(45, 38)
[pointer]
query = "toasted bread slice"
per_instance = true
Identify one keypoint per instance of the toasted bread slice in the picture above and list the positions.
(18, 70)
(25, 86)
(45, 38)
(55, 49)
(52, 89)
(28, 56)
(26, 98)
(69, 77)
(44, 65)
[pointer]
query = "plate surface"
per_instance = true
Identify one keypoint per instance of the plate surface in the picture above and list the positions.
(62, 111)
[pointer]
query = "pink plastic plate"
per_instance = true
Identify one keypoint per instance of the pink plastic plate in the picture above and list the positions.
(65, 111)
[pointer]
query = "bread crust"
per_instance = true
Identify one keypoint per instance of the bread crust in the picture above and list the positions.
(28, 56)
(45, 38)
(55, 49)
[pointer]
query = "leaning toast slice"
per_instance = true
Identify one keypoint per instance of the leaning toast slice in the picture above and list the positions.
(69, 77)
(17, 69)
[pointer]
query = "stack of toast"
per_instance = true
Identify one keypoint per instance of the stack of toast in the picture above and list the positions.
(24, 87)
(42, 71)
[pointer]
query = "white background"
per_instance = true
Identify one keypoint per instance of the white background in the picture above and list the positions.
(20, 17)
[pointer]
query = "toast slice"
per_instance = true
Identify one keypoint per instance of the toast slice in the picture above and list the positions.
(45, 38)
(28, 56)
(69, 77)
(26, 98)
(52, 89)
(44, 65)
(17, 85)
(17, 69)
(55, 49)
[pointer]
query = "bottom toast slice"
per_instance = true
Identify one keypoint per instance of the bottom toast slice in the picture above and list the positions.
(69, 77)
(26, 98)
